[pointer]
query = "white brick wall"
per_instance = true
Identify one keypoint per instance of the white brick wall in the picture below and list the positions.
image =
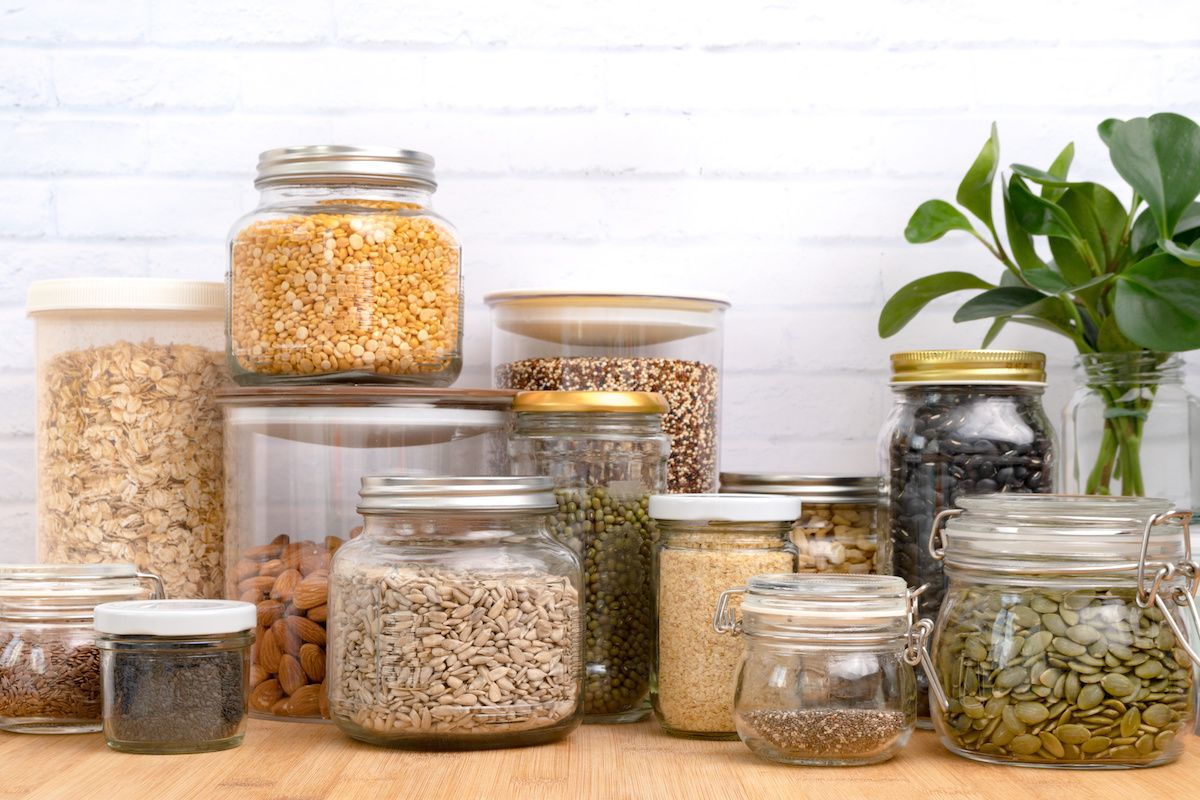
(770, 150)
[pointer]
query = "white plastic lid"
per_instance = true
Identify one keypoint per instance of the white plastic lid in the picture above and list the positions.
(133, 294)
(725, 507)
(175, 617)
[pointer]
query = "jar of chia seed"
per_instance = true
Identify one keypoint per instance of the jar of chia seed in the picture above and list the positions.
(606, 453)
(1063, 637)
(964, 422)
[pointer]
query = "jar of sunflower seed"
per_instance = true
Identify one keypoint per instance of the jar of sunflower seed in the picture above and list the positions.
(607, 453)
(344, 272)
(838, 527)
(1062, 639)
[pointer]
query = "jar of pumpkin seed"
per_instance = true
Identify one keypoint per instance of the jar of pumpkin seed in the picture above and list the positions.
(1063, 637)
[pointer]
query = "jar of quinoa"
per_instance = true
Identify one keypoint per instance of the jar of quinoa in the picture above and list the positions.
(344, 272)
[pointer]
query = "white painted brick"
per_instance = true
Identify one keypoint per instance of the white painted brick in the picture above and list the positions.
(26, 205)
(512, 80)
(54, 21)
(16, 340)
(54, 146)
(145, 79)
(326, 79)
(813, 406)
(159, 208)
(17, 471)
(294, 21)
(776, 454)
(18, 535)
(27, 261)
(25, 79)
(17, 401)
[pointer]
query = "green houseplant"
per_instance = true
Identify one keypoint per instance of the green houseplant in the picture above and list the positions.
(1120, 280)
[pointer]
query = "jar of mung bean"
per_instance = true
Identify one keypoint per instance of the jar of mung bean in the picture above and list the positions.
(838, 529)
(607, 453)
(344, 272)
(1063, 637)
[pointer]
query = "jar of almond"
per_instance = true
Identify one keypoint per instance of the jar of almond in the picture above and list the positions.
(344, 272)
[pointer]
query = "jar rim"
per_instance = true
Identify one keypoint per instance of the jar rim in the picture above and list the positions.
(807, 601)
(323, 163)
(969, 366)
(538, 402)
(727, 507)
(813, 488)
(384, 494)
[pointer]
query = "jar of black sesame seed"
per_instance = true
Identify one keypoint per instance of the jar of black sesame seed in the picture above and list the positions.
(964, 422)
(607, 453)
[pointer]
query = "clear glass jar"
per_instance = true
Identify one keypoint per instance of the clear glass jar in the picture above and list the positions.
(344, 272)
(606, 453)
(826, 677)
(1132, 428)
(455, 619)
(706, 544)
(838, 529)
(1050, 650)
(580, 341)
(283, 525)
(128, 430)
(49, 664)
(176, 674)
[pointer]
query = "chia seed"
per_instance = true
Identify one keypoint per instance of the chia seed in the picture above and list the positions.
(831, 733)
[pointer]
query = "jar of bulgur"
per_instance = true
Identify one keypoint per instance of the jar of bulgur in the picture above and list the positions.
(344, 272)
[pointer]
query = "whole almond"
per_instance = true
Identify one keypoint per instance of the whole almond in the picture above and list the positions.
(332, 543)
(311, 592)
(258, 675)
(319, 614)
(265, 695)
(245, 569)
(306, 629)
(291, 675)
(272, 568)
(290, 555)
(313, 559)
(250, 596)
(262, 553)
(269, 651)
(260, 583)
(305, 702)
(281, 540)
(268, 612)
(283, 586)
(280, 707)
(289, 639)
(312, 661)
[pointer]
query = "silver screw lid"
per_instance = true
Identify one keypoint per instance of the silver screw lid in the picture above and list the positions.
(813, 488)
(323, 163)
(385, 494)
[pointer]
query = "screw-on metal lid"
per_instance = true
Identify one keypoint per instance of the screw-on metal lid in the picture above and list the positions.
(812, 488)
(613, 402)
(324, 163)
(385, 494)
(969, 366)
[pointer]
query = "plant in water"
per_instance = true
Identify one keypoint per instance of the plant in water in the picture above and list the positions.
(1114, 278)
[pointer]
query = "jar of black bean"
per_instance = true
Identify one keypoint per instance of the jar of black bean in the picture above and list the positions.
(964, 422)
(607, 453)
(175, 674)
(1063, 637)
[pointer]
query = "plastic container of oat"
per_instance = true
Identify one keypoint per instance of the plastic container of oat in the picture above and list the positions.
(551, 340)
(128, 430)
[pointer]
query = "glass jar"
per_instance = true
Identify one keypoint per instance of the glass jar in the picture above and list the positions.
(838, 529)
(580, 341)
(1062, 640)
(344, 272)
(128, 430)
(176, 674)
(606, 453)
(283, 525)
(49, 664)
(454, 620)
(826, 677)
(706, 544)
(1132, 428)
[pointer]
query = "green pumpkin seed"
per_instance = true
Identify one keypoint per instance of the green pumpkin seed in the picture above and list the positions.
(1043, 605)
(1025, 745)
(1073, 734)
(1037, 643)
(1083, 634)
(1157, 715)
(1053, 746)
(1095, 744)
(1090, 696)
(1145, 744)
(1130, 722)
(975, 650)
(1068, 647)
(1010, 720)
(972, 707)
(1011, 677)
(1149, 669)
(1025, 616)
(1031, 713)
(1163, 740)
(1116, 684)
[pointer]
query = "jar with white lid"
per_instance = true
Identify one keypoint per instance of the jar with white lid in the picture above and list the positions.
(1063, 639)
(49, 664)
(708, 543)
(128, 431)
(562, 340)
(826, 676)
(175, 673)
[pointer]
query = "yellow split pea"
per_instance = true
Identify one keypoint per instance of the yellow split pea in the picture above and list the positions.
(327, 293)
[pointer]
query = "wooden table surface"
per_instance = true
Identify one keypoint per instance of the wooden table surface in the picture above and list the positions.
(298, 761)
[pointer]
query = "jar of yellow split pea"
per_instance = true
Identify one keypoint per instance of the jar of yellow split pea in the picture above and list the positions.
(344, 273)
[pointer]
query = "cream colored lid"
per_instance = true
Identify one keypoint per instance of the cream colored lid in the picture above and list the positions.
(132, 294)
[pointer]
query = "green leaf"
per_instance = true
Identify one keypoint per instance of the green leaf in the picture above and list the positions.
(1111, 340)
(1105, 129)
(1188, 255)
(1144, 236)
(994, 330)
(1068, 261)
(975, 191)
(1039, 176)
(1157, 304)
(932, 220)
(1158, 158)
(1038, 216)
(1019, 242)
(1003, 301)
(1059, 169)
(908, 301)
(1047, 280)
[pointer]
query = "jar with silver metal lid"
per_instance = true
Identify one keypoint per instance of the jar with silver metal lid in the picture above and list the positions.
(1063, 637)
(838, 528)
(455, 618)
(344, 272)
(826, 675)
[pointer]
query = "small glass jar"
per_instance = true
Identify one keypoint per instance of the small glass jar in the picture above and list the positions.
(49, 664)
(455, 619)
(606, 453)
(344, 272)
(176, 674)
(838, 529)
(1063, 637)
(826, 678)
(706, 544)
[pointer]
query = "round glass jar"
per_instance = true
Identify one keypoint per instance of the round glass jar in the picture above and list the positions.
(622, 342)
(176, 674)
(826, 676)
(607, 454)
(128, 430)
(455, 619)
(706, 544)
(344, 272)
(838, 529)
(49, 664)
(1062, 639)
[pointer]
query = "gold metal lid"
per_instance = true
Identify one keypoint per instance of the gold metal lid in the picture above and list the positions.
(968, 366)
(617, 402)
